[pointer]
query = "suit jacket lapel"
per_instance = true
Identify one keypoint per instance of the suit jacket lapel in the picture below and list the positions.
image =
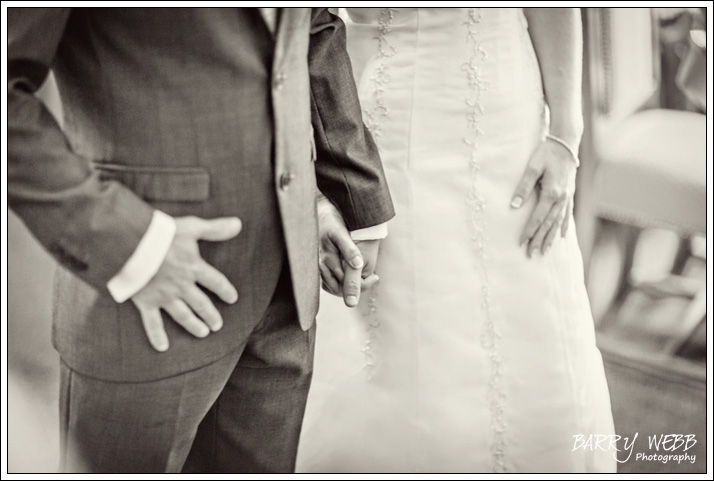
(270, 19)
(290, 20)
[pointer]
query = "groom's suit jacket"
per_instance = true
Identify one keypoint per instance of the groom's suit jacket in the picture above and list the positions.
(200, 112)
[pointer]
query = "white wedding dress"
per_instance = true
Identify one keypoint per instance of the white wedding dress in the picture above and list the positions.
(468, 356)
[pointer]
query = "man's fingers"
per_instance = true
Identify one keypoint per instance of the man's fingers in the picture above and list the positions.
(183, 316)
(334, 264)
(220, 229)
(216, 282)
(348, 249)
(199, 303)
(329, 283)
(154, 328)
(351, 286)
(525, 187)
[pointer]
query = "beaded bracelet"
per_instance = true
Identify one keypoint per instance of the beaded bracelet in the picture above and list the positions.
(570, 150)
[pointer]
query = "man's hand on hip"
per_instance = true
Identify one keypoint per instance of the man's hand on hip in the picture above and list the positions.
(175, 289)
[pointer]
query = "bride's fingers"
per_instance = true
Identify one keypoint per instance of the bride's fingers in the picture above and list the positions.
(525, 186)
(329, 283)
(538, 216)
(549, 221)
(550, 236)
(334, 264)
(566, 221)
(369, 282)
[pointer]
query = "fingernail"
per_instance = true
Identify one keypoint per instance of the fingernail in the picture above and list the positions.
(517, 202)
(204, 332)
(162, 347)
(237, 224)
(351, 301)
(233, 299)
(356, 262)
(217, 326)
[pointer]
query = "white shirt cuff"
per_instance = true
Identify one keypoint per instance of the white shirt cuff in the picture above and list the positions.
(146, 259)
(370, 233)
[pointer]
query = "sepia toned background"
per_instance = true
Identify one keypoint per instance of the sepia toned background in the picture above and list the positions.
(641, 218)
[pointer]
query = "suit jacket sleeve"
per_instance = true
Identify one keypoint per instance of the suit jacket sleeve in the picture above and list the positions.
(90, 226)
(348, 168)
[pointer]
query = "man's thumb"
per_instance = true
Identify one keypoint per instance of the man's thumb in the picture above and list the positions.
(220, 229)
(348, 249)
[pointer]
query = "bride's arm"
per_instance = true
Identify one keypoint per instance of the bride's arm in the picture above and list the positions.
(557, 37)
(556, 34)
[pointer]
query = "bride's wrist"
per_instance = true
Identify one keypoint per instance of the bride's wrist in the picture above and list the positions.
(564, 144)
(570, 132)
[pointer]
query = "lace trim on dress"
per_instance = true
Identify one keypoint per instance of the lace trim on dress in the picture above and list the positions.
(490, 337)
(373, 116)
(372, 119)
(373, 324)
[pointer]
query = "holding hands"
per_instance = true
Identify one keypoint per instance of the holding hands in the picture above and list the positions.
(346, 266)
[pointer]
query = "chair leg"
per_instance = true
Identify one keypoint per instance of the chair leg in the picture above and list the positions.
(695, 314)
(684, 252)
(630, 236)
(626, 238)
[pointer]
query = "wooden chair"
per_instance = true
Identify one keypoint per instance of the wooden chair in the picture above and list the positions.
(647, 165)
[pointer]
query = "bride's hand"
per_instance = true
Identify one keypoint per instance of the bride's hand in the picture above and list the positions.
(346, 266)
(552, 168)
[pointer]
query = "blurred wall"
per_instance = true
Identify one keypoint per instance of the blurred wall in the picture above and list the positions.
(33, 364)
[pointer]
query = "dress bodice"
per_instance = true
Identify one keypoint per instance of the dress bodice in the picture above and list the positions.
(428, 74)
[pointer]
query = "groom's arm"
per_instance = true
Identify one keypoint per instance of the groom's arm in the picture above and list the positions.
(348, 168)
(91, 227)
(100, 230)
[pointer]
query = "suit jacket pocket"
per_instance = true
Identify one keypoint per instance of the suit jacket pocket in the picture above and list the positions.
(171, 184)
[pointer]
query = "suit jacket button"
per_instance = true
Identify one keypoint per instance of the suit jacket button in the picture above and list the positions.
(279, 80)
(285, 180)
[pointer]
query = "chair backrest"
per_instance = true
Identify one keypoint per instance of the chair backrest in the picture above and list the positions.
(620, 76)
(49, 95)
(623, 55)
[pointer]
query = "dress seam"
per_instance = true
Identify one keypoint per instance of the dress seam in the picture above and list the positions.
(566, 348)
(417, 368)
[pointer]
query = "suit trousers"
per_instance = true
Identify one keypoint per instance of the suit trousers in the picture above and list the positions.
(240, 414)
